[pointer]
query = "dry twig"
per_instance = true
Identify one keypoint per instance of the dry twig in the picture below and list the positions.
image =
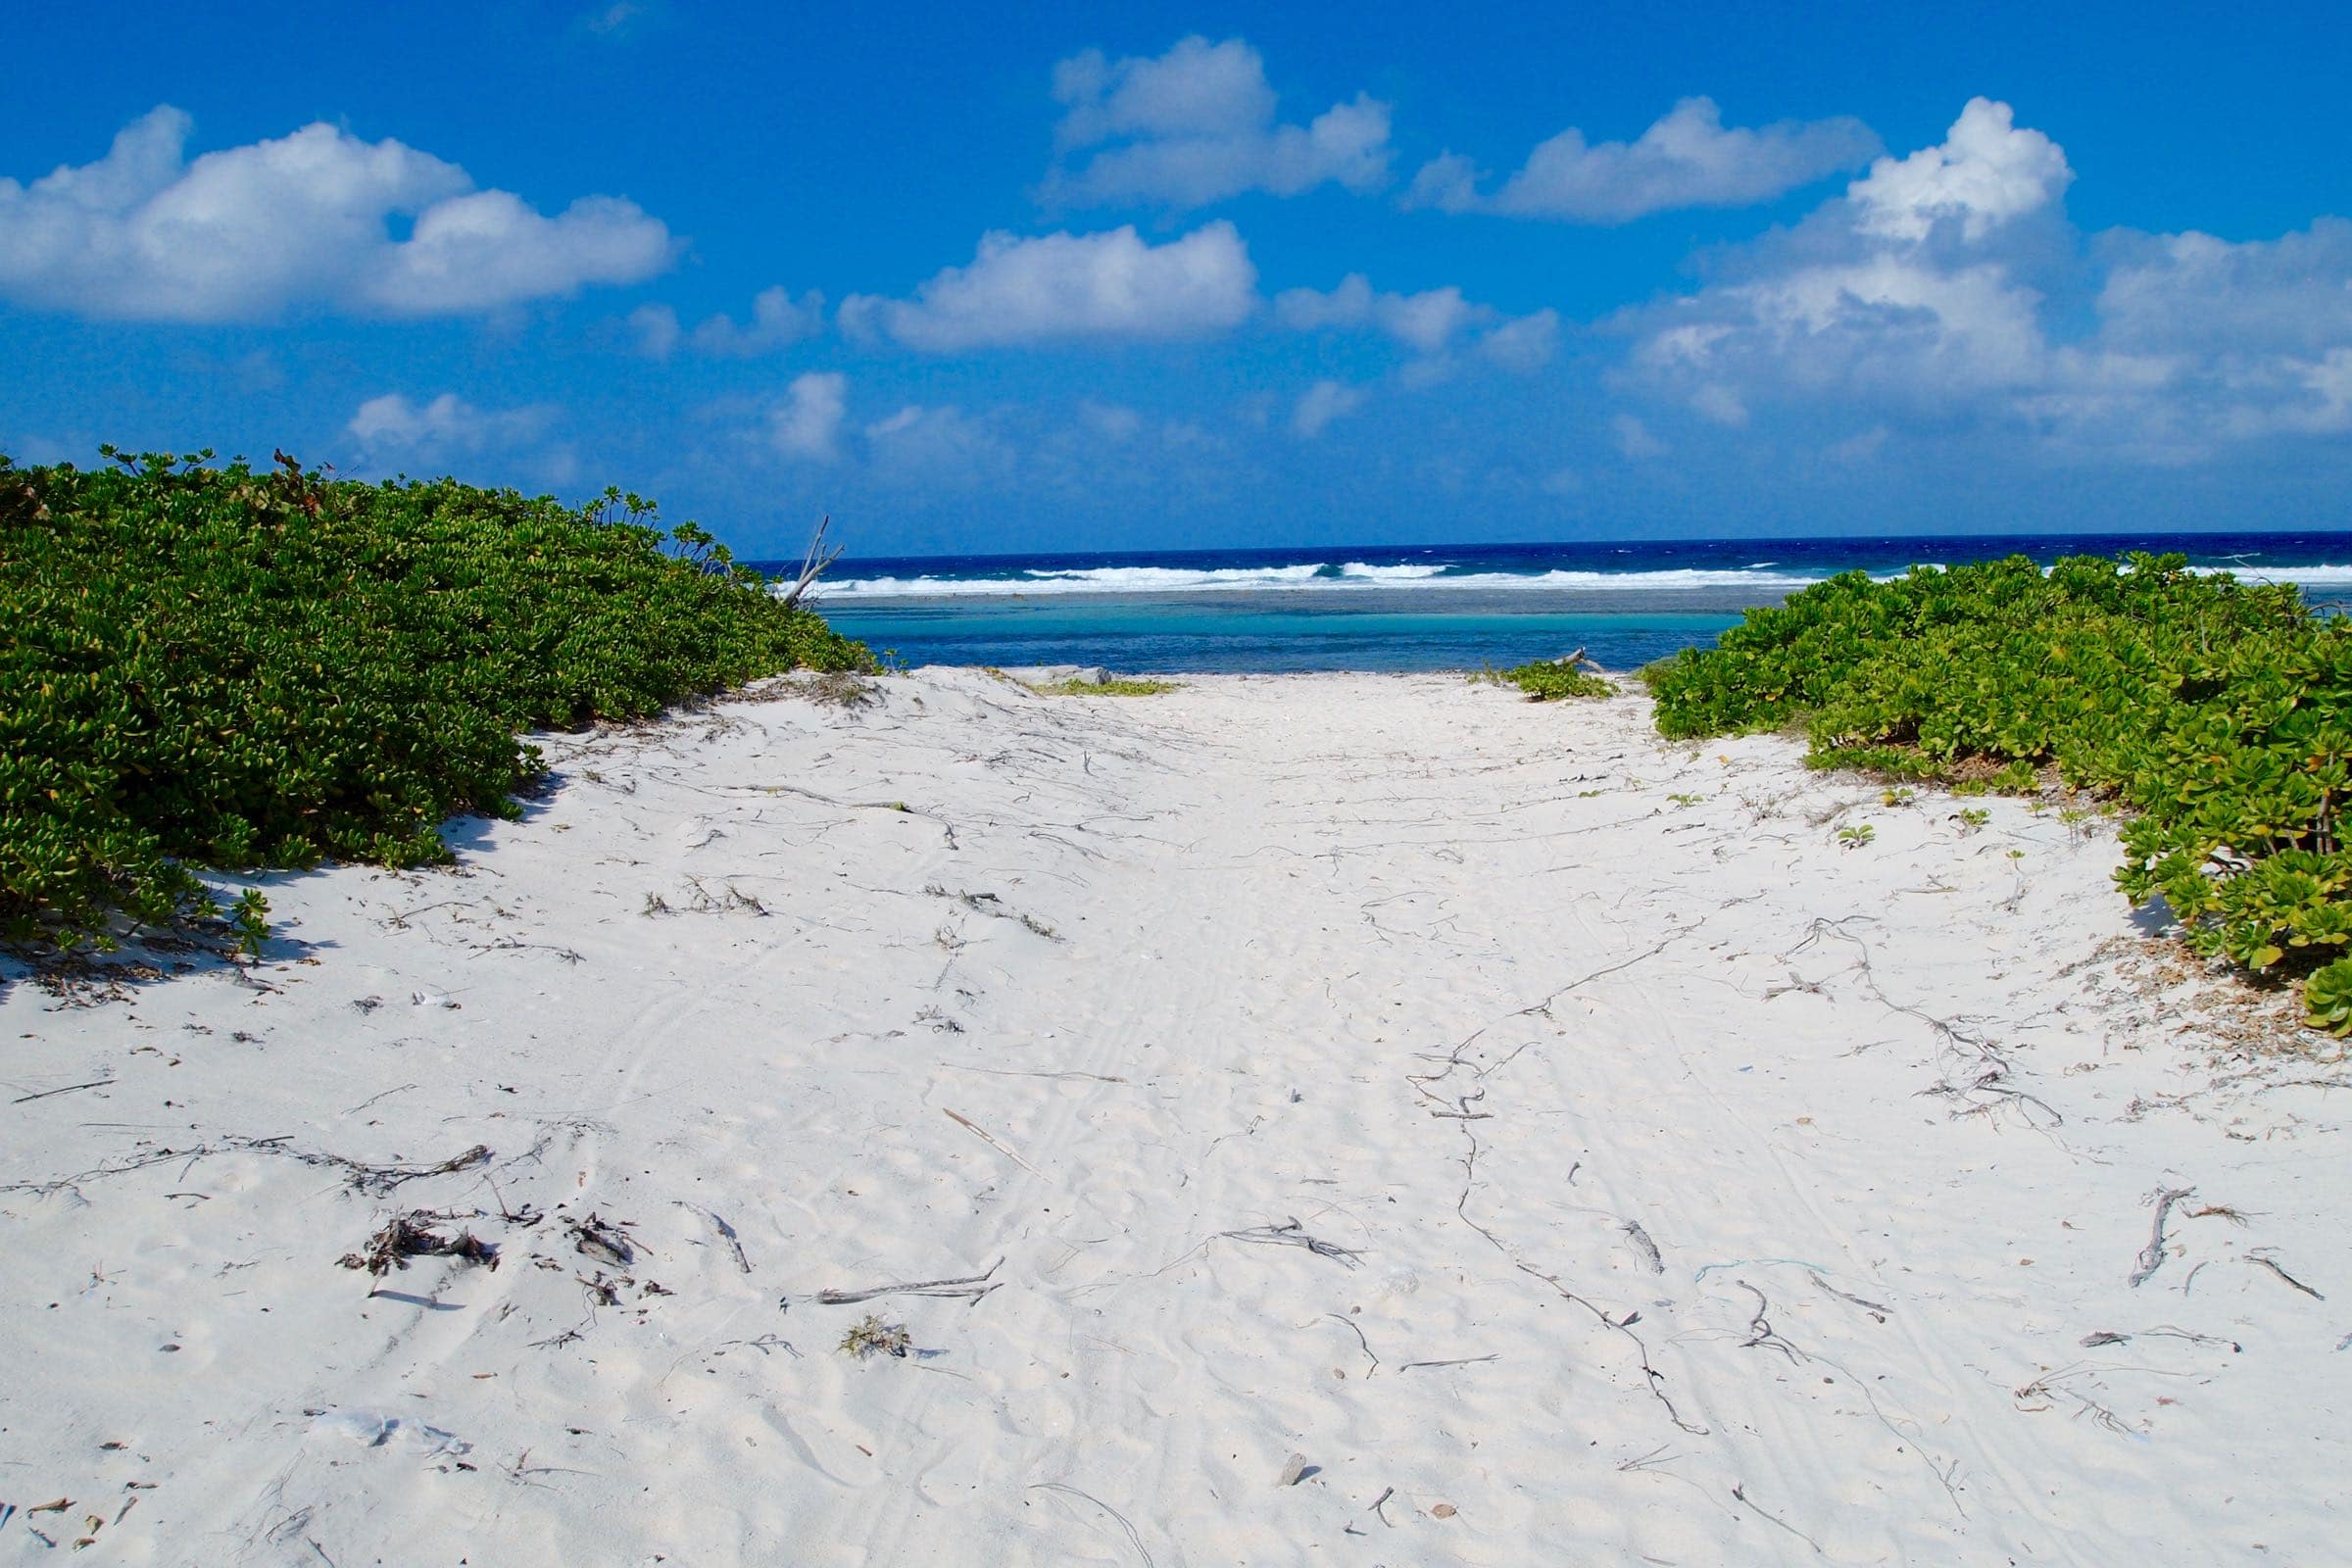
(971, 1286)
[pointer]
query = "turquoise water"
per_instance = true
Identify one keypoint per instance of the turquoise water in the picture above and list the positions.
(1226, 635)
(1426, 607)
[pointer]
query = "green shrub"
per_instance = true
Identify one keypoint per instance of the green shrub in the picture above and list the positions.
(1548, 680)
(210, 666)
(2219, 714)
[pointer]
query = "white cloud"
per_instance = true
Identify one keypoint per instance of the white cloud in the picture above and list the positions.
(1893, 296)
(778, 320)
(302, 221)
(391, 428)
(2172, 292)
(1072, 286)
(1687, 159)
(1946, 290)
(1985, 173)
(1431, 324)
(1427, 321)
(1196, 125)
(1321, 404)
(806, 421)
(1198, 89)
(488, 249)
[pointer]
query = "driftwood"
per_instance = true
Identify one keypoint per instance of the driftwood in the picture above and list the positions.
(2151, 1257)
(970, 1287)
(813, 564)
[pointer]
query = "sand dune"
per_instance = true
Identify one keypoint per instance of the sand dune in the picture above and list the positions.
(1543, 1143)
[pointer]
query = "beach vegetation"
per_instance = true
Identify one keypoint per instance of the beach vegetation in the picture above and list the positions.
(1115, 686)
(870, 1336)
(217, 667)
(1853, 838)
(1549, 679)
(2327, 997)
(2215, 715)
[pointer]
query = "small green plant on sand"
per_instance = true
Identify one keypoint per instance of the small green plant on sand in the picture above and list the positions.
(1971, 817)
(1686, 799)
(1548, 680)
(1897, 795)
(1115, 687)
(249, 918)
(2327, 997)
(869, 1336)
(1853, 838)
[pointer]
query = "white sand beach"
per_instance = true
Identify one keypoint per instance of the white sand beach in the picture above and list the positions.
(1368, 1119)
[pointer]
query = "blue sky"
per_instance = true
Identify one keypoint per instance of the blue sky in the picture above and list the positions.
(1055, 277)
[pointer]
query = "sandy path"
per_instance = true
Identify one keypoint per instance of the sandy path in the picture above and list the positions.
(1688, 1188)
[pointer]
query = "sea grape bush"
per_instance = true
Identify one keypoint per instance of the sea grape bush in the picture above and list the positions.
(217, 667)
(2218, 713)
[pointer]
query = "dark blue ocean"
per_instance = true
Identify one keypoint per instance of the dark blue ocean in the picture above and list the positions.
(1436, 607)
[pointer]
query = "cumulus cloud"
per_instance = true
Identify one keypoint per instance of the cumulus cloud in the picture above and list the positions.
(1197, 125)
(302, 221)
(1906, 292)
(1319, 405)
(805, 422)
(1687, 159)
(1984, 174)
(1431, 324)
(1428, 322)
(1064, 287)
(392, 428)
(778, 320)
(1946, 289)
